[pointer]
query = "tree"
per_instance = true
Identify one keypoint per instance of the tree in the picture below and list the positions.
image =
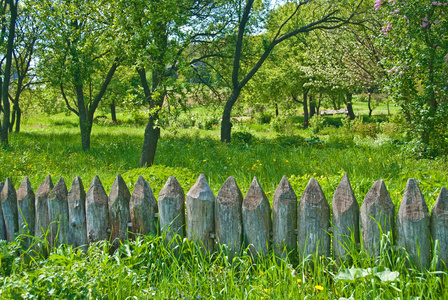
(8, 8)
(414, 38)
(23, 54)
(158, 33)
(78, 54)
(330, 16)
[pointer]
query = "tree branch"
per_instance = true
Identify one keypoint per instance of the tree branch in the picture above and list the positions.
(66, 101)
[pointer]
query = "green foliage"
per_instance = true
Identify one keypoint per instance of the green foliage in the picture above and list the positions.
(283, 125)
(263, 117)
(413, 36)
(243, 137)
(207, 122)
(317, 123)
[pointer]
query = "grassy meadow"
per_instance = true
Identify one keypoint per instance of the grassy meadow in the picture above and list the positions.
(149, 269)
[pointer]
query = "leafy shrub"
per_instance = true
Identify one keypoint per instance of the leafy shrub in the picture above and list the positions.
(340, 141)
(282, 125)
(139, 118)
(288, 141)
(365, 130)
(314, 140)
(263, 117)
(243, 137)
(317, 123)
(207, 122)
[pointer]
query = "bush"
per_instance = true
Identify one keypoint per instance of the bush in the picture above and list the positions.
(263, 117)
(317, 123)
(207, 122)
(283, 125)
(243, 137)
(288, 141)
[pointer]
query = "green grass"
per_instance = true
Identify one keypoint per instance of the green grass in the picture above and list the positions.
(147, 268)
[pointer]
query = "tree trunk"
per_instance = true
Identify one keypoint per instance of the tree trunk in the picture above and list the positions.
(113, 112)
(13, 119)
(7, 74)
(312, 106)
(305, 110)
(84, 125)
(351, 114)
(18, 118)
(226, 125)
(152, 135)
(368, 104)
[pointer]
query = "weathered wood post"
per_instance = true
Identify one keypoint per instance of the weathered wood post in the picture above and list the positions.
(76, 199)
(413, 226)
(26, 209)
(284, 218)
(43, 195)
(228, 216)
(58, 214)
(143, 207)
(439, 228)
(377, 217)
(313, 222)
(2, 221)
(345, 220)
(201, 214)
(119, 214)
(172, 210)
(257, 219)
(8, 198)
(97, 212)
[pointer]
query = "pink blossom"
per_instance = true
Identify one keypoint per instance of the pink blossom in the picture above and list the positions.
(386, 28)
(444, 88)
(424, 24)
(437, 21)
(434, 3)
(404, 16)
(425, 19)
(401, 73)
(406, 67)
(378, 4)
(403, 3)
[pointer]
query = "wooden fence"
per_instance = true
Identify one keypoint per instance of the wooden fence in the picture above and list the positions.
(78, 218)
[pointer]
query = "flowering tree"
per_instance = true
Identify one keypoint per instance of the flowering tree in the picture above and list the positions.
(415, 37)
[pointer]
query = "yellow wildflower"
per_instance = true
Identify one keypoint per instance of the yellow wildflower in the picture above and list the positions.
(319, 287)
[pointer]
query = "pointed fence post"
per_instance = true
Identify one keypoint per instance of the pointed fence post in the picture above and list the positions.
(143, 207)
(228, 217)
(345, 220)
(2, 221)
(58, 214)
(26, 203)
(439, 228)
(201, 214)
(313, 222)
(257, 219)
(172, 210)
(119, 214)
(284, 218)
(377, 217)
(76, 199)
(97, 212)
(413, 226)
(8, 198)
(43, 195)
